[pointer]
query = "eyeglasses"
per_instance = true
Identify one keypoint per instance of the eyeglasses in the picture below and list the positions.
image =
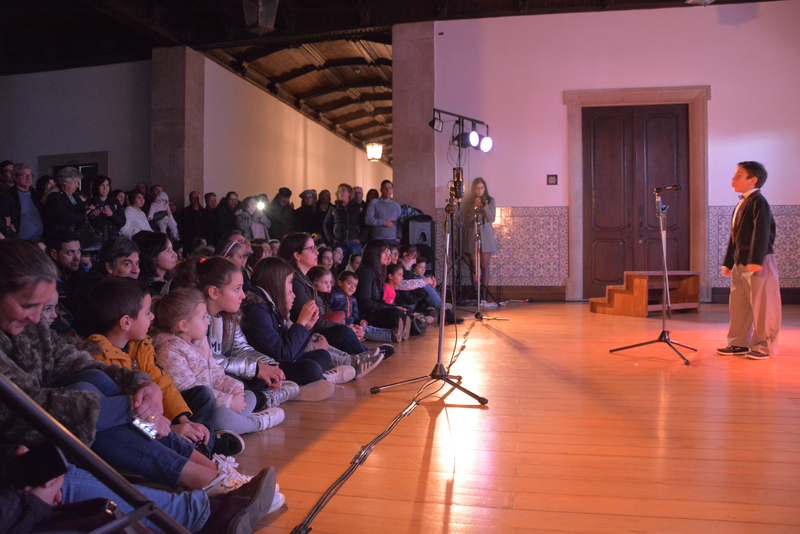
(25, 175)
(207, 318)
(312, 247)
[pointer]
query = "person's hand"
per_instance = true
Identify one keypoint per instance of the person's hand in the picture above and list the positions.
(725, 271)
(162, 425)
(146, 402)
(309, 314)
(50, 492)
(358, 331)
(753, 267)
(388, 223)
(356, 241)
(431, 281)
(106, 211)
(271, 374)
(291, 205)
(363, 323)
(320, 342)
(194, 432)
(238, 404)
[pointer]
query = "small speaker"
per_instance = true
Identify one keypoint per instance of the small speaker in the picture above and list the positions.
(420, 233)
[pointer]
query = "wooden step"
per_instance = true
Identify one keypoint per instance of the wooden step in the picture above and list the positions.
(641, 293)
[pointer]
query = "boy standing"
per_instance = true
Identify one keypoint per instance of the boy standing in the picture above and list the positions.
(755, 300)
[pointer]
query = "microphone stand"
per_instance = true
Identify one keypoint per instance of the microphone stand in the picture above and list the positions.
(440, 372)
(663, 337)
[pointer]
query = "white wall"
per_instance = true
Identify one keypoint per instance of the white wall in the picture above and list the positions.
(89, 109)
(257, 144)
(512, 72)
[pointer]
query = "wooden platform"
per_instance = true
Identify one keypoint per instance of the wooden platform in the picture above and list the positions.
(641, 293)
(573, 440)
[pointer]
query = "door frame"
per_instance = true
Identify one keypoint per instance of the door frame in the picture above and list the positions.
(697, 97)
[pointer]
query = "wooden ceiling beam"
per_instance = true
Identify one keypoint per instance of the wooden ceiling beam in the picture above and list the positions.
(358, 84)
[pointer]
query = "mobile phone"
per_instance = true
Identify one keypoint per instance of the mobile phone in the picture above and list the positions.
(41, 463)
(144, 428)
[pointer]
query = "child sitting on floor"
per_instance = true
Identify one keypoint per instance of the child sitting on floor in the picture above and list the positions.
(343, 299)
(182, 350)
(122, 313)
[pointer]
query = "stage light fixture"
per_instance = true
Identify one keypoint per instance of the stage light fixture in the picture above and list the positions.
(436, 122)
(474, 138)
(374, 151)
(486, 143)
(463, 136)
(462, 140)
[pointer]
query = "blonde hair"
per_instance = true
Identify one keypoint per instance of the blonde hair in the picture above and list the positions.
(178, 305)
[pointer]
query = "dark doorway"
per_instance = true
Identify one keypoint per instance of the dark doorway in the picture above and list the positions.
(627, 152)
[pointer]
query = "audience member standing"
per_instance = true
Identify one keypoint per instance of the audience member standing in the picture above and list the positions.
(20, 208)
(7, 178)
(210, 234)
(226, 214)
(64, 209)
(252, 221)
(382, 214)
(110, 216)
(343, 222)
(308, 217)
(281, 213)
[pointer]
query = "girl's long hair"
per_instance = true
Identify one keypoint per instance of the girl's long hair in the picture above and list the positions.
(270, 275)
(371, 258)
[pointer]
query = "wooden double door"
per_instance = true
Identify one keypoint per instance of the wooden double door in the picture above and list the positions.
(627, 152)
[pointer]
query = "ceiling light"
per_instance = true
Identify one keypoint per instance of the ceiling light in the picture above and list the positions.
(374, 151)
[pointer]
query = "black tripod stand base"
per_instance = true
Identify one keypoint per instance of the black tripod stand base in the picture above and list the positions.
(439, 373)
(662, 338)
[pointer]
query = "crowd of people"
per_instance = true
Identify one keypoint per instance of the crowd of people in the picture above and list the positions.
(127, 319)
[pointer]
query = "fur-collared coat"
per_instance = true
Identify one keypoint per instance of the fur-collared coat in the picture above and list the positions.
(39, 361)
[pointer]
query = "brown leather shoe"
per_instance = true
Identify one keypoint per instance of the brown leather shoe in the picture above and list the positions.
(237, 511)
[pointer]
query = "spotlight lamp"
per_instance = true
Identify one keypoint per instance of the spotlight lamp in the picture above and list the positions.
(436, 122)
(486, 142)
(463, 136)
(374, 151)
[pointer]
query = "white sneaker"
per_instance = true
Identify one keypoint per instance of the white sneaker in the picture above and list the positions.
(277, 502)
(340, 374)
(268, 418)
(229, 478)
(227, 465)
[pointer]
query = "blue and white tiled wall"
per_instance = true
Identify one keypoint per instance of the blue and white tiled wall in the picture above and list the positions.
(533, 245)
(787, 243)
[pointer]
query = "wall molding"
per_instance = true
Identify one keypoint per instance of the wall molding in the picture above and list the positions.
(697, 98)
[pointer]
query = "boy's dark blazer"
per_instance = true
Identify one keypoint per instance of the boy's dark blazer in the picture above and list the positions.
(753, 236)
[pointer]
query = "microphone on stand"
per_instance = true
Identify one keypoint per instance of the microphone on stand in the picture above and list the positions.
(675, 188)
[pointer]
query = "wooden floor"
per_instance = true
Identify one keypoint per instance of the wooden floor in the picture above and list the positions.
(574, 439)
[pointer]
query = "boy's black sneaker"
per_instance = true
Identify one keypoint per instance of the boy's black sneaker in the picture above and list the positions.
(755, 355)
(228, 443)
(387, 350)
(733, 351)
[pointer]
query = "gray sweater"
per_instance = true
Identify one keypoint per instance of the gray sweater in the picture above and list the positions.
(378, 211)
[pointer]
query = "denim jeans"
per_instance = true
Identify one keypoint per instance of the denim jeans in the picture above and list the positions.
(434, 297)
(203, 403)
(308, 367)
(350, 247)
(343, 338)
(189, 508)
(123, 446)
